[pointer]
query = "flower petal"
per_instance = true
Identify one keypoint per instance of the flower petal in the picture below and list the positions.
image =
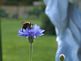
(35, 31)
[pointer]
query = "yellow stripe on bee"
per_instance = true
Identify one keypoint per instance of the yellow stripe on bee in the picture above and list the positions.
(27, 22)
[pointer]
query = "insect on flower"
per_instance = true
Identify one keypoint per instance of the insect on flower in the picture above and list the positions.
(30, 30)
(27, 25)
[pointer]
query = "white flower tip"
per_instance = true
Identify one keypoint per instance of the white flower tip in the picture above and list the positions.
(43, 30)
(34, 36)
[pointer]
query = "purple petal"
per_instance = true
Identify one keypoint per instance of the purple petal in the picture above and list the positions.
(34, 32)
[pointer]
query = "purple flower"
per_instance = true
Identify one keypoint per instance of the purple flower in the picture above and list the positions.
(34, 32)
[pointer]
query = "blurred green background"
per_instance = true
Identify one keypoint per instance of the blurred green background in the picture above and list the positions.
(16, 48)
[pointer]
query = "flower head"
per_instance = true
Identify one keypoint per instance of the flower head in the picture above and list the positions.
(33, 31)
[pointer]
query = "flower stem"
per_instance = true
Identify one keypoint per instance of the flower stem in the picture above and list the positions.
(30, 38)
(31, 51)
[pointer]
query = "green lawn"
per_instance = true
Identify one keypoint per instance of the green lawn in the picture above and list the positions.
(15, 48)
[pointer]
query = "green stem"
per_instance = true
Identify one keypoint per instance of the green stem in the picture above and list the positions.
(31, 51)
(31, 47)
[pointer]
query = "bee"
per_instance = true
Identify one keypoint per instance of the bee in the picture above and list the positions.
(27, 25)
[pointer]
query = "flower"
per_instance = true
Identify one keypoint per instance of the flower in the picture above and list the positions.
(31, 32)
(34, 31)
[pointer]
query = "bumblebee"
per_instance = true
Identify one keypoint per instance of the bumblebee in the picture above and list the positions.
(27, 25)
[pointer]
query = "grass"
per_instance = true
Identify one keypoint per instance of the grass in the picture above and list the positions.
(15, 48)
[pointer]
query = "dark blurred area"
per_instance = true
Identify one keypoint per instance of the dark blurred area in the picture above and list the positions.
(17, 2)
(17, 8)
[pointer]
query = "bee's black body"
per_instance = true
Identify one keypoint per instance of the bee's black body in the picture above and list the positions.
(26, 25)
